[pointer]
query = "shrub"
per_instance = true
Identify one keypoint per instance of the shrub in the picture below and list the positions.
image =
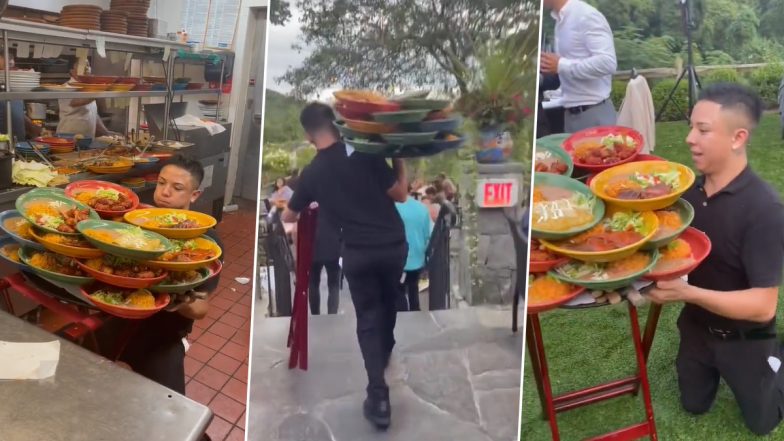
(677, 105)
(765, 81)
(720, 76)
(618, 92)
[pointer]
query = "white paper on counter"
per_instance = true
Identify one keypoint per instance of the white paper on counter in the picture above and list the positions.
(28, 361)
(52, 51)
(22, 49)
(100, 46)
(38, 51)
(194, 121)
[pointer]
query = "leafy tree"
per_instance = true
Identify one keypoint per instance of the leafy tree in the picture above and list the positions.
(382, 44)
(281, 120)
(280, 12)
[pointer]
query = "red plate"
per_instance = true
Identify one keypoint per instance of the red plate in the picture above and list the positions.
(599, 132)
(55, 142)
(348, 113)
(74, 188)
(96, 79)
(700, 249)
(543, 266)
(161, 301)
(122, 282)
(536, 308)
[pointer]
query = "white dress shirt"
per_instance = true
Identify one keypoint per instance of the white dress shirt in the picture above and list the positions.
(584, 42)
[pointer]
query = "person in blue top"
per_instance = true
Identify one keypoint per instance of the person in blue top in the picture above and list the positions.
(417, 223)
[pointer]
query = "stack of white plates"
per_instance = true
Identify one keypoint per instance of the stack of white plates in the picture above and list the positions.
(22, 80)
(208, 108)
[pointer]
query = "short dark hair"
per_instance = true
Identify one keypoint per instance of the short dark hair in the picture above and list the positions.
(192, 166)
(316, 117)
(735, 96)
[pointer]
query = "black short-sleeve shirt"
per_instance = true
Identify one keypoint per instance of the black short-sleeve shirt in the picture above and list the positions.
(745, 223)
(351, 190)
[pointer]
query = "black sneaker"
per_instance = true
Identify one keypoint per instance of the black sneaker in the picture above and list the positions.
(377, 412)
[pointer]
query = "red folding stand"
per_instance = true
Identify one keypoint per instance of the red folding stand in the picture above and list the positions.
(571, 400)
(298, 327)
(83, 322)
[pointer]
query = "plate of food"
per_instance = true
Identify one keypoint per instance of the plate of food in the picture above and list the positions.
(545, 292)
(183, 281)
(553, 160)
(108, 199)
(643, 186)
(110, 166)
(126, 303)
(189, 254)
(172, 223)
(562, 207)
(51, 210)
(370, 127)
(606, 276)
(600, 148)
(122, 272)
(66, 244)
(19, 229)
(124, 240)
(681, 256)
(364, 102)
(618, 235)
(9, 250)
(542, 260)
(57, 267)
(673, 221)
(400, 116)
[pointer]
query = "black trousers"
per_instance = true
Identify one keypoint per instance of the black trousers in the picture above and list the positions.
(373, 276)
(704, 358)
(163, 363)
(333, 287)
(409, 291)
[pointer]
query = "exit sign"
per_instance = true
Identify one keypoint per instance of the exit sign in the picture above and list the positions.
(498, 193)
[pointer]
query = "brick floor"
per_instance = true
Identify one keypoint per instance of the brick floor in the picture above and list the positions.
(217, 363)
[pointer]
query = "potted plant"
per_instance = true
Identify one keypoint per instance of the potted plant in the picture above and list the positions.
(497, 100)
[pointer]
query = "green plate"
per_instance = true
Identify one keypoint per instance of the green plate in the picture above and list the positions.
(686, 211)
(54, 196)
(26, 253)
(375, 148)
(559, 153)
(348, 132)
(424, 104)
(116, 250)
(400, 116)
(205, 274)
(555, 140)
(608, 285)
(409, 138)
(553, 180)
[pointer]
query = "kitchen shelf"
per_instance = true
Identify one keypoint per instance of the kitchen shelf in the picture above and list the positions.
(47, 95)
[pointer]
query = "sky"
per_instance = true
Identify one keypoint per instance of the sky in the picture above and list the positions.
(280, 55)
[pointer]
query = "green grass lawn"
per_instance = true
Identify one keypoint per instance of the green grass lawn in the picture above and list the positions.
(587, 347)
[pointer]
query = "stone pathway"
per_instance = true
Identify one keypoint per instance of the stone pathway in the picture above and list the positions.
(454, 376)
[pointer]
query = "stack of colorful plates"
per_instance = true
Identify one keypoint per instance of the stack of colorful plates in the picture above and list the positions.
(22, 80)
(136, 9)
(60, 88)
(114, 21)
(81, 17)
(91, 87)
(58, 145)
(122, 87)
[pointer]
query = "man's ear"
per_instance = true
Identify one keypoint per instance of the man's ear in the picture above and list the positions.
(195, 195)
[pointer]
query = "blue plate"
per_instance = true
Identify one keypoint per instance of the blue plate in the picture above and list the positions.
(153, 162)
(8, 240)
(10, 214)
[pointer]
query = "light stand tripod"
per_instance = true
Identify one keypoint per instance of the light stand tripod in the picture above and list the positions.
(688, 71)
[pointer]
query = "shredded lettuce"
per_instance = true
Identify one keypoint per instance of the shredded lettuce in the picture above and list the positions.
(583, 271)
(112, 298)
(108, 193)
(171, 219)
(671, 178)
(624, 221)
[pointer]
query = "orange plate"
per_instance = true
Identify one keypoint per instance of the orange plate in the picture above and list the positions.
(121, 281)
(161, 301)
(369, 127)
(534, 307)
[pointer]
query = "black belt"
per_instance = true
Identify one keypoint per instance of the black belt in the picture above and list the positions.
(736, 334)
(580, 109)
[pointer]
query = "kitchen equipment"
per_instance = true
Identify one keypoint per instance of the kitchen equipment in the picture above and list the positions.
(36, 110)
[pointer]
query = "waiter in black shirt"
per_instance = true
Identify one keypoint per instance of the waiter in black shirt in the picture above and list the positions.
(357, 192)
(727, 325)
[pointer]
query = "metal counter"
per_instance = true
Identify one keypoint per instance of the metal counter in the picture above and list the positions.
(91, 399)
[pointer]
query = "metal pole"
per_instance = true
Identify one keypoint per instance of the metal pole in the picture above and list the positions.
(8, 118)
(220, 91)
(169, 96)
(139, 100)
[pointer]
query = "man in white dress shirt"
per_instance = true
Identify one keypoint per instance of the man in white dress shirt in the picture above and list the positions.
(584, 61)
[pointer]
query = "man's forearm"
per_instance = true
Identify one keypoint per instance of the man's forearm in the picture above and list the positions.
(195, 310)
(399, 166)
(755, 304)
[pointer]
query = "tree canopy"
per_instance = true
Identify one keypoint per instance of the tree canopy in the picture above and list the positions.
(381, 44)
(650, 33)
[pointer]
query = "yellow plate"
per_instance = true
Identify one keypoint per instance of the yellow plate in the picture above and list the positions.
(187, 266)
(651, 224)
(599, 183)
(120, 166)
(145, 218)
(67, 250)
